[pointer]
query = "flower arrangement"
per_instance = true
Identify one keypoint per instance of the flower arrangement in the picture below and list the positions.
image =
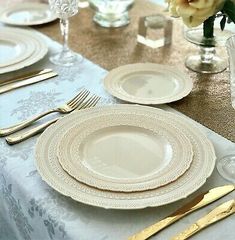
(197, 12)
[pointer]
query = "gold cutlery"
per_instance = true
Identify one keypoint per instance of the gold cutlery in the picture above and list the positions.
(65, 108)
(13, 139)
(198, 202)
(27, 79)
(222, 211)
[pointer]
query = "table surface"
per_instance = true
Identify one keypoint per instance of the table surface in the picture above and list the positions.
(30, 209)
(210, 93)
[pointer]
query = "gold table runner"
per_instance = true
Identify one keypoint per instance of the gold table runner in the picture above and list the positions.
(209, 102)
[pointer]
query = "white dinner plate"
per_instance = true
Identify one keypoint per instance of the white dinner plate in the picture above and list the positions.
(14, 48)
(51, 171)
(124, 150)
(30, 38)
(148, 83)
(27, 14)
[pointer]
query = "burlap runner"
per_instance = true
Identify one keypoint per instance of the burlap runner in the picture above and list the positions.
(208, 103)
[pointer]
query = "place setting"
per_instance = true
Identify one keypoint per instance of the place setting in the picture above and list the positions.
(128, 184)
(109, 143)
(88, 150)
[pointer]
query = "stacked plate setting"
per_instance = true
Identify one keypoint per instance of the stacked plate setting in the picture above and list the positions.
(20, 48)
(26, 14)
(124, 157)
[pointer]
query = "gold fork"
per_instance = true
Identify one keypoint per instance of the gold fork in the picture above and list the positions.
(65, 108)
(91, 102)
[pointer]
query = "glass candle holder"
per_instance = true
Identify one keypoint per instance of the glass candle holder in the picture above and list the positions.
(160, 25)
(111, 13)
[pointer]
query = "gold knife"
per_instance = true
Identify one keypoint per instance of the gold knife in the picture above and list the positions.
(28, 79)
(198, 202)
(222, 211)
(26, 75)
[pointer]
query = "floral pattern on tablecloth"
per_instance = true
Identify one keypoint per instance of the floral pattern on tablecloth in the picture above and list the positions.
(7, 152)
(15, 210)
(53, 222)
(45, 209)
(40, 213)
(36, 102)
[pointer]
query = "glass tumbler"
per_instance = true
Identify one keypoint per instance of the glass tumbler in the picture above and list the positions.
(231, 52)
(226, 165)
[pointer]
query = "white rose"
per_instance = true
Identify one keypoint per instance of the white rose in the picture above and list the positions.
(194, 12)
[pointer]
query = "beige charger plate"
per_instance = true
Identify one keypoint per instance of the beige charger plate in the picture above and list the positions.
(51, 171)
(124, 150)
(30, 37)
(27, 14)
(148, 83)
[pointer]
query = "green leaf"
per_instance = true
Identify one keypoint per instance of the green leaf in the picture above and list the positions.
(208, 27)
(229, 9)
(223, 22)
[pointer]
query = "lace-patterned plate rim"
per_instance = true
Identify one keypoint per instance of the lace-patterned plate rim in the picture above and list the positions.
(42, 13)
(69, 149)
(39, 53)
(113, 83)
(166, 175)
(53, 174)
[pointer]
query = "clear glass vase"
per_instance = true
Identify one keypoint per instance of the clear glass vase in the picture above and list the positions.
(207, 60)
(111, 13)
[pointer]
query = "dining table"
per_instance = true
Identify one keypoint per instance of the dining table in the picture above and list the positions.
(29, 208)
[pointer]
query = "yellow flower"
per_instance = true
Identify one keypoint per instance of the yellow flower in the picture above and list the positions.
(194, 12)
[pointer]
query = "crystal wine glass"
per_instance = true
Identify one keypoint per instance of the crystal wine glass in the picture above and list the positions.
(65, 9)
(226, 165)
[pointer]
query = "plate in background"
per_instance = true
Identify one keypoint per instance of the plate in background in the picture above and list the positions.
(14, 48)
(30, 37)
(148, 83)
(27, 14)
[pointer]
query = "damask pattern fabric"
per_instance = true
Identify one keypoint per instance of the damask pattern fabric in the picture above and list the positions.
(41, 205)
